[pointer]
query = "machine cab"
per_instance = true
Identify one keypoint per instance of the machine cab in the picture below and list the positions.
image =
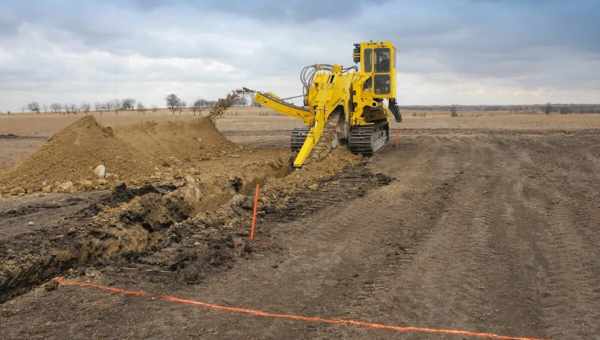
(378, 60)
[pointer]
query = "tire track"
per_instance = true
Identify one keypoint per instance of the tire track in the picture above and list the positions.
(565, 240)
(379, 298)
(348, 250)
(435, 287)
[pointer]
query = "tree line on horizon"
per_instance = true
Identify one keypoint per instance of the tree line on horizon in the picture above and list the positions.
(175, 104)
(127, 104)
(172, 102)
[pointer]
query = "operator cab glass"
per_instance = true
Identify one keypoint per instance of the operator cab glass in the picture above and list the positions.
(382, 60)
(382, 71)
(368, 67)
(382, 84)
(378, 61)
(368, 60)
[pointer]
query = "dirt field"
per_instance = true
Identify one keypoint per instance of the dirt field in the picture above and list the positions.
(262, 127)
(484, 224)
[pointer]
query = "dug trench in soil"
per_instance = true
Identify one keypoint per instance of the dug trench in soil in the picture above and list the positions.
(177, 232)
(32, 253)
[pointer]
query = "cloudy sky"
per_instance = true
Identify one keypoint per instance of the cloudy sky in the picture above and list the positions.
(449, 52)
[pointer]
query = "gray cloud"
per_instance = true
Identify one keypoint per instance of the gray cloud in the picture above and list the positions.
(205, 48)
(303, 11)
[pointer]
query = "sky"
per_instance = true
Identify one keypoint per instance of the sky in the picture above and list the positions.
(449, 52)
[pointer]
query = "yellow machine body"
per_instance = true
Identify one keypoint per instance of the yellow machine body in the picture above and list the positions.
(362, 95)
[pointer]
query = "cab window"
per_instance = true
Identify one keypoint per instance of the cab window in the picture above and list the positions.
(382, 84)
(382, 60)
(368, 60)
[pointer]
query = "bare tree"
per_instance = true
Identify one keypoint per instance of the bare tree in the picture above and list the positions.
(34, 107)
(85, 107)
(203, 103)
(141, 108)
(71, 108)
(117, 105)
(56, 107)
(453, 112)
(128, 104)
(198, 105)
(548, 108)
(173, 102)
(195, 108)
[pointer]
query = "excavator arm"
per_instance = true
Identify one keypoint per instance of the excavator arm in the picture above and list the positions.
(312, 138)
(316, 122)
(283, 107)
(325, 101)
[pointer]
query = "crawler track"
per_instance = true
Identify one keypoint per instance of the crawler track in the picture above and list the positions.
(366, 140)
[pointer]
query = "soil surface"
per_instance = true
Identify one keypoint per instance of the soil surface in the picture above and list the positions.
(24, 215)
(491, 231)
(16, 149)
(67, 162)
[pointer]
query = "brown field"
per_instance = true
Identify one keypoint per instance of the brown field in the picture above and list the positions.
(263, 119)
(482, 223)
(242, 124)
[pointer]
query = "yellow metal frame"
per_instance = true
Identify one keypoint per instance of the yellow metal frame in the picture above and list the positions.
(343, 90)
(282, 107)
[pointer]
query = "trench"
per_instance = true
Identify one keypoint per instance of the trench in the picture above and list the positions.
(152, 230)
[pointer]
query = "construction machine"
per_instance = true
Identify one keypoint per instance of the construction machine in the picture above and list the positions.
(347, 105)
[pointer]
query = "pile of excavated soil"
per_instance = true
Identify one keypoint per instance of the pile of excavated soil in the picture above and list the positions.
(129, 153)
(73, 153)
(185, 141)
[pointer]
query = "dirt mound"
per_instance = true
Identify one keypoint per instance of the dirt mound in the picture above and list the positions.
(73, 153)
(67, 161)
(196, 140)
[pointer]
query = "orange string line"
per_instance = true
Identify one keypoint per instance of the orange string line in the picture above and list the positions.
(239, 310)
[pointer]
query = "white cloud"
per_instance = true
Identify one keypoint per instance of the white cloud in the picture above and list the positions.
(464, 52)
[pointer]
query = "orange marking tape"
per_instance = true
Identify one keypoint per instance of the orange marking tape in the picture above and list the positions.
(342, 322)
(253, 227)
(64, 282)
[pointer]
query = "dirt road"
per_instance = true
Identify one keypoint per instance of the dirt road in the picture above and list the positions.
(480, 230)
